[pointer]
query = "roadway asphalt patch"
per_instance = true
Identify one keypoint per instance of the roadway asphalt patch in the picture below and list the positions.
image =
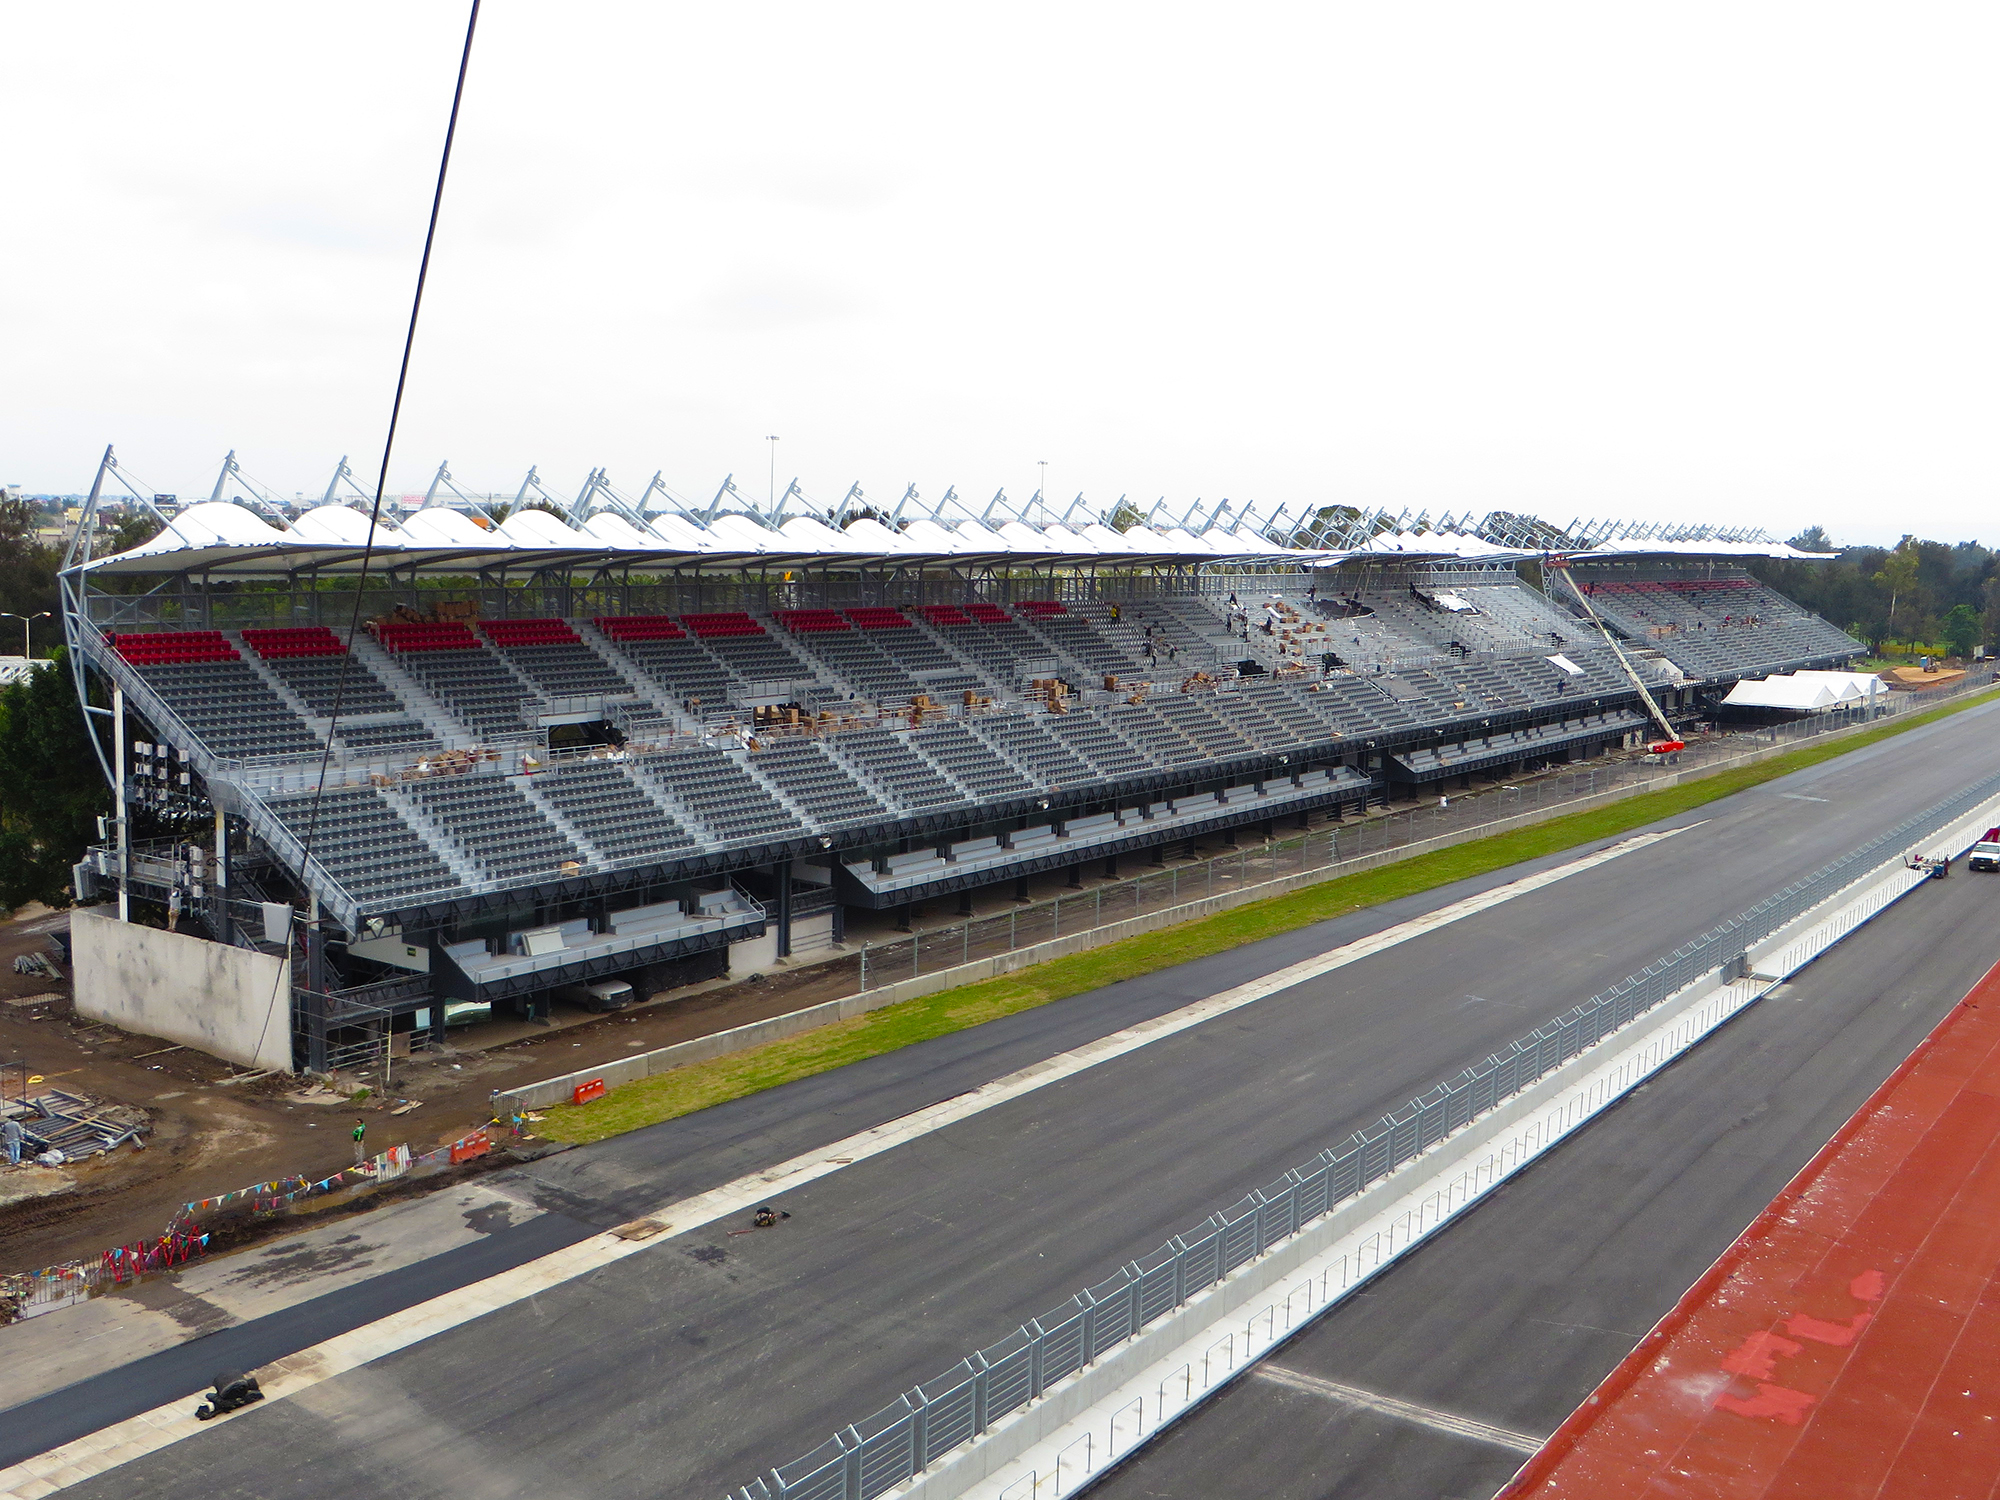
(289, 1262)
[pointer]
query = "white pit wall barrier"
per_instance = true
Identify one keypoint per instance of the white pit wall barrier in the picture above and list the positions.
(1109, 1409)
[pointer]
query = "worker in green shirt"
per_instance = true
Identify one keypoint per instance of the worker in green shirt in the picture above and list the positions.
(360, 1130)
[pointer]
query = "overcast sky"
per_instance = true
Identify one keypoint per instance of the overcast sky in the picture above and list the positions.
(1720, 262)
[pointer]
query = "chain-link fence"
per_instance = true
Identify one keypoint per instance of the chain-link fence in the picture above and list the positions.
(932, 949)
(882, 1451)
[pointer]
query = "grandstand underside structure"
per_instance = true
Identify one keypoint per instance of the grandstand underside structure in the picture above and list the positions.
(554, 754)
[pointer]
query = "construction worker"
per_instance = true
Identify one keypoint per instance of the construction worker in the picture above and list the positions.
(11, 1134)
(360, 1130)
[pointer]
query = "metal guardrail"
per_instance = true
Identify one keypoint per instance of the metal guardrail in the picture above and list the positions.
(874, 1455)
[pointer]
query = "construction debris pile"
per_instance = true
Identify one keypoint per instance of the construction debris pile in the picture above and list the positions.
(58, 1126)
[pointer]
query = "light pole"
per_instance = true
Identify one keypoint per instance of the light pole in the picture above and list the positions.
(1043, 463)
(27, 625)
(771, 496)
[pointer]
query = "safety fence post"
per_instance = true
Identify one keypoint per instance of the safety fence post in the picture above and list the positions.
(966, 952)
(864, 966)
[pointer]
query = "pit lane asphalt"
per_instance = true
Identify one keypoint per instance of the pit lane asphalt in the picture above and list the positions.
(689, 1367)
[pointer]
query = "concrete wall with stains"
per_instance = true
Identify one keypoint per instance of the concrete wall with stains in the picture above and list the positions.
(231, 1003)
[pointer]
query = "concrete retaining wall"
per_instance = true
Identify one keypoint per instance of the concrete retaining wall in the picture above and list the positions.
(229, 1002)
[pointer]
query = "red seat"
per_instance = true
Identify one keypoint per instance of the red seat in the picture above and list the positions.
(878, 618)
(160, 648)
(811, 620)
(294, 640)
(639, 628)
(721, 623)
(505, 633)
(411, 636)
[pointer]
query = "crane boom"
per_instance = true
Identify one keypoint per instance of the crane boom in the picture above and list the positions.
(1669, 739)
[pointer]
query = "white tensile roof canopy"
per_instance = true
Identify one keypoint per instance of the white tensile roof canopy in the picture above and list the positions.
(224, 538)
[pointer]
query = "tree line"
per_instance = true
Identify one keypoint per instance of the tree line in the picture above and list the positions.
(51, 788)
(1918, 596)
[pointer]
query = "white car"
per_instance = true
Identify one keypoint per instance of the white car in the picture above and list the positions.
(604, 994)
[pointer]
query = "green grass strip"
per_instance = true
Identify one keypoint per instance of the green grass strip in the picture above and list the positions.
(682, 1091)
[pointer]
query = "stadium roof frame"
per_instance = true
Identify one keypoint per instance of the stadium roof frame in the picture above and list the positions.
(605, 531)
(220, 541)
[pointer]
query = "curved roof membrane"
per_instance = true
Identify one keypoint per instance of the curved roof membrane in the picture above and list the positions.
(224, 539)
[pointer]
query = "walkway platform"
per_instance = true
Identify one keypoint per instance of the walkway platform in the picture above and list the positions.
(1848, 1344)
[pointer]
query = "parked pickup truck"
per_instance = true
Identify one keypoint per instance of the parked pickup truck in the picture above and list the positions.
(1986, 853)
(605, 994)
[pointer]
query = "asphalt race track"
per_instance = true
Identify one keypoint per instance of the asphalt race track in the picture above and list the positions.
(701, 1360)
(1513, 1316)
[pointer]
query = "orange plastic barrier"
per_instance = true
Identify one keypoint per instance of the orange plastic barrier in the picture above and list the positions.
(585, 1092)
(476, 1144)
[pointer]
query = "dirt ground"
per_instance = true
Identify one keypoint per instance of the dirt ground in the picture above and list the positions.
(211, 1136)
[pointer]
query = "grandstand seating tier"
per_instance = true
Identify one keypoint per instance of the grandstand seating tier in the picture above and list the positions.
(228, 707)
(324, 682)
(719, 793)
(364, 843)
(805, 773)
(496, 826)
(1423, 663)
(613, 812)
(400, 636)
(475, 685)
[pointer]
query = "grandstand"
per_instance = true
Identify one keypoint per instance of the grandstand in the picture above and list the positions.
(665, 747)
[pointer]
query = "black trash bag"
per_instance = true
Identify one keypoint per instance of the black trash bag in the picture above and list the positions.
(232, 1392)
